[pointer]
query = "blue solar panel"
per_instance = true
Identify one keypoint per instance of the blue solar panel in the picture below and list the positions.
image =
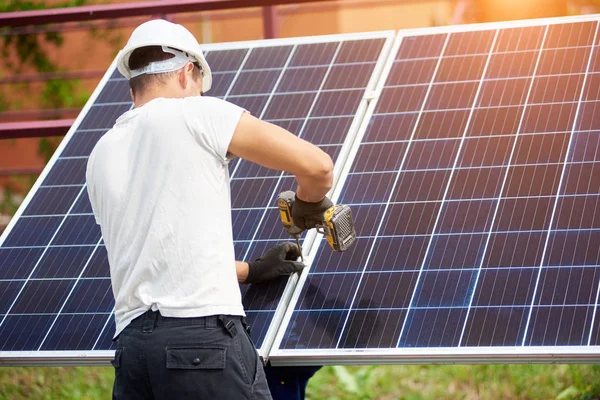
(54, 277)
(475, 193)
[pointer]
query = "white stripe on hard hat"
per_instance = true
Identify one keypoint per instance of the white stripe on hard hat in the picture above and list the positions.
(159, 32)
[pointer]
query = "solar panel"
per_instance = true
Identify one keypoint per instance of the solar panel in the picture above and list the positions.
(57, 303)
(474, 182)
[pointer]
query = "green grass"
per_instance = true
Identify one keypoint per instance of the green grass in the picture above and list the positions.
(468, 382)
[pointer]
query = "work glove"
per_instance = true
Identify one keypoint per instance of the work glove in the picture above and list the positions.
(277, 261)
(307, 215)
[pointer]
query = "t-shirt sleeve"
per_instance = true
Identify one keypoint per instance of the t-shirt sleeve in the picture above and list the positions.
(213, 122)
(90, 187)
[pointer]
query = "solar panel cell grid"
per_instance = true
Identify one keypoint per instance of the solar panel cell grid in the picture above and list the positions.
(474, 194)
(54, 280)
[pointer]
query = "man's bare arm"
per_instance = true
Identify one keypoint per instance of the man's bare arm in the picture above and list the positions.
(273, 147)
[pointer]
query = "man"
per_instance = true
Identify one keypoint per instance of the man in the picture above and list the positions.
(158, 183)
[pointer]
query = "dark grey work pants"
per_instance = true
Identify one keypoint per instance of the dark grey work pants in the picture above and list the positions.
(187, 358)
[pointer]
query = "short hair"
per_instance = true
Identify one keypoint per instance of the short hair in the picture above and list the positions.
(141, 58)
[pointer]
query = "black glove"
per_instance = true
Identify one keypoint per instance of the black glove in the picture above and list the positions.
(307, 215)
(277, 261)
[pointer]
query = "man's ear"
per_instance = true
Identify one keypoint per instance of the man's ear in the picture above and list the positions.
(185, 74)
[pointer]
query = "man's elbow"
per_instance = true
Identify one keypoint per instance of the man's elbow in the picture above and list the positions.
(323, 172)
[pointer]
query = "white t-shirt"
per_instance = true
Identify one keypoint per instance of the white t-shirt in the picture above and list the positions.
(158, 183)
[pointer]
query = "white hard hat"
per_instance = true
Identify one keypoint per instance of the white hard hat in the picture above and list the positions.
(159, 32)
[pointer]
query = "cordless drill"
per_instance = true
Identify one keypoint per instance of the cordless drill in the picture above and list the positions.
(337, 223)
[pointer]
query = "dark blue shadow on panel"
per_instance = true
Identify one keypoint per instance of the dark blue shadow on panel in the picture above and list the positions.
(115, 91)
(221, 83)
(19, 262)
(82, 205)
(259, 322)
(560, 325)
(98, 266)
(78, 229)
(75, 332)
(313, 330)
(367, 188)
(373, 329)
(446, 288)
(245, 223)
(253, 192)
(385, 290)
(351, 260)
(495, 326)
(63, 262)
(455, 251)
(105, 341)
(255, 82)
(434, 327)
(42, 297)
(263, 296)
(286, 105)
(398, 253)
(90, 296)
(328, 292)
(271, 227)
(505, 287)
(82, 143)
(226, 60)
(8, 292)
(70, 171)
(103, 116)
(573, 248)
(24, 332)
(34, 231)
(52, 200)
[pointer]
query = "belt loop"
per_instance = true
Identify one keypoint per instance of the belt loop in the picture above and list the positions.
(149, 321)
(228, 324)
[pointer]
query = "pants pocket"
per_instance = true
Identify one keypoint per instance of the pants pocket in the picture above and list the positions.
(211, 356)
